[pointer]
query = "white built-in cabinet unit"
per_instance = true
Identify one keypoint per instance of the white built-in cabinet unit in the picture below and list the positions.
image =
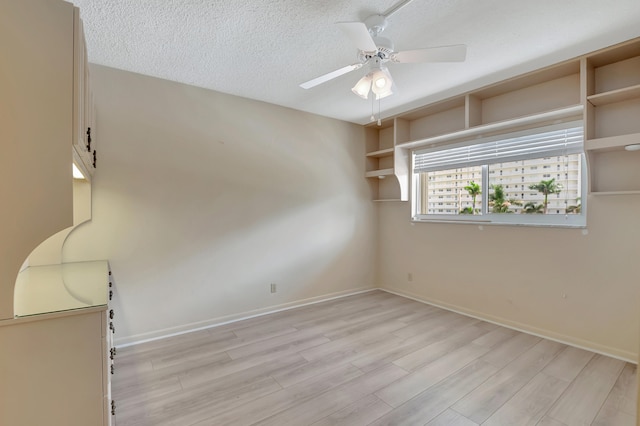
(55, 320)
(57, 353)
(602, 88)
(84, 123)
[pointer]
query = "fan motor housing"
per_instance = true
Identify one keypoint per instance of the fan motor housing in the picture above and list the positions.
(385, 47)
(385, 50)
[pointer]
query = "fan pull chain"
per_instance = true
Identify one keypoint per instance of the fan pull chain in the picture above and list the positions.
(373, 118)
(379, 121)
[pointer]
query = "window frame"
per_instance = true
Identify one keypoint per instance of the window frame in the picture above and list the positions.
(572, 220)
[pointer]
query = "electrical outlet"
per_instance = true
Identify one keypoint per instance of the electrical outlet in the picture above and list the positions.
(273, 287)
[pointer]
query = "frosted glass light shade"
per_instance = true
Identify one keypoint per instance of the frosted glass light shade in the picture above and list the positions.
(362, 86)
(382, 83)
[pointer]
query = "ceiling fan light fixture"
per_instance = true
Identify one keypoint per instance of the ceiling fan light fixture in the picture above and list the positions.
(363, 86)
(382, 83)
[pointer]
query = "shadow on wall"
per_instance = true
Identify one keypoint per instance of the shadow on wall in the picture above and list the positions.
(203, 199)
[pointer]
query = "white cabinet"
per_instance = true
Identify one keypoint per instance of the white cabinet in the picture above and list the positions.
(55, 358)
(36, 83)
(109, 353)
(84, 129)
(55, 364)
(46, 109)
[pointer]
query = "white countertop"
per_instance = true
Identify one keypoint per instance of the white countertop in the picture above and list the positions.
(55, 288)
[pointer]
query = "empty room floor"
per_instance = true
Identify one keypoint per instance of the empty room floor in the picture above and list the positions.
(369, 359)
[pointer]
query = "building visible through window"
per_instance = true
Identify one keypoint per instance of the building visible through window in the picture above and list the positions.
(508, 175)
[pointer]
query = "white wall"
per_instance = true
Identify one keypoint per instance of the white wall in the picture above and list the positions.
(202, 199)
(518, 275)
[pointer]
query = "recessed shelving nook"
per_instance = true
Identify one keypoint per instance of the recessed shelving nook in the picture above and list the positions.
(601, 88)
(611, 88)
(380, 168)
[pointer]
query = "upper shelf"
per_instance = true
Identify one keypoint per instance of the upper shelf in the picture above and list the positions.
(379, 173)
(612, 143)
(600, 89)
(381, 153)
(613, 96)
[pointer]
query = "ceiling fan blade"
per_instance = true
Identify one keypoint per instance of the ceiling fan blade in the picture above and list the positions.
(359, 35)
(330, 76)
(455, 53)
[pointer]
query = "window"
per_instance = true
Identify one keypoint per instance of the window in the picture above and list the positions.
(478, 173)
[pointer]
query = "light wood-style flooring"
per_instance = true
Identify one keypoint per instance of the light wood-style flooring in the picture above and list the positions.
(369, 359)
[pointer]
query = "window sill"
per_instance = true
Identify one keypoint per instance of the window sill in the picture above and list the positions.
(487, 221)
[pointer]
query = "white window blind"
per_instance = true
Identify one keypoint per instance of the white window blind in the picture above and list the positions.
(563, 139)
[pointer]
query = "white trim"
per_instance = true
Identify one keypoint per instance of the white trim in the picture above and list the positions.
(465, 221)
(523, 328)
(514, 325)
(216, 322)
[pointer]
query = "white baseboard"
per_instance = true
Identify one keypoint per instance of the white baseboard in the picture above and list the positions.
(514, 325)
(216, 322)
(524, 328)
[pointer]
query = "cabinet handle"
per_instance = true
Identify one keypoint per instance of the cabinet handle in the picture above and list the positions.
(94, 158)
(110, 294)
(111, 314)
(89, 139)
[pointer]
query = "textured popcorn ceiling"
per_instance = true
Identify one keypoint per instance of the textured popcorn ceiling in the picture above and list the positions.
(263, 49)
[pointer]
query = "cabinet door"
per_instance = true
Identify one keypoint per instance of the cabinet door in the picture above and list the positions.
(55, 373)
(108, 367)
(83, 107)
(79, 60)
(90, 123)
(109, 353)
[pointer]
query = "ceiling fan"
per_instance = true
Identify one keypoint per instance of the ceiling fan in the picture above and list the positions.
(376, 51)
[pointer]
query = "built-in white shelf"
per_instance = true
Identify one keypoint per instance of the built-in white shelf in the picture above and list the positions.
(381, 153)
(615, 192)
(602, 89)
(612, 143)
(378, 173)
(614, 96)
